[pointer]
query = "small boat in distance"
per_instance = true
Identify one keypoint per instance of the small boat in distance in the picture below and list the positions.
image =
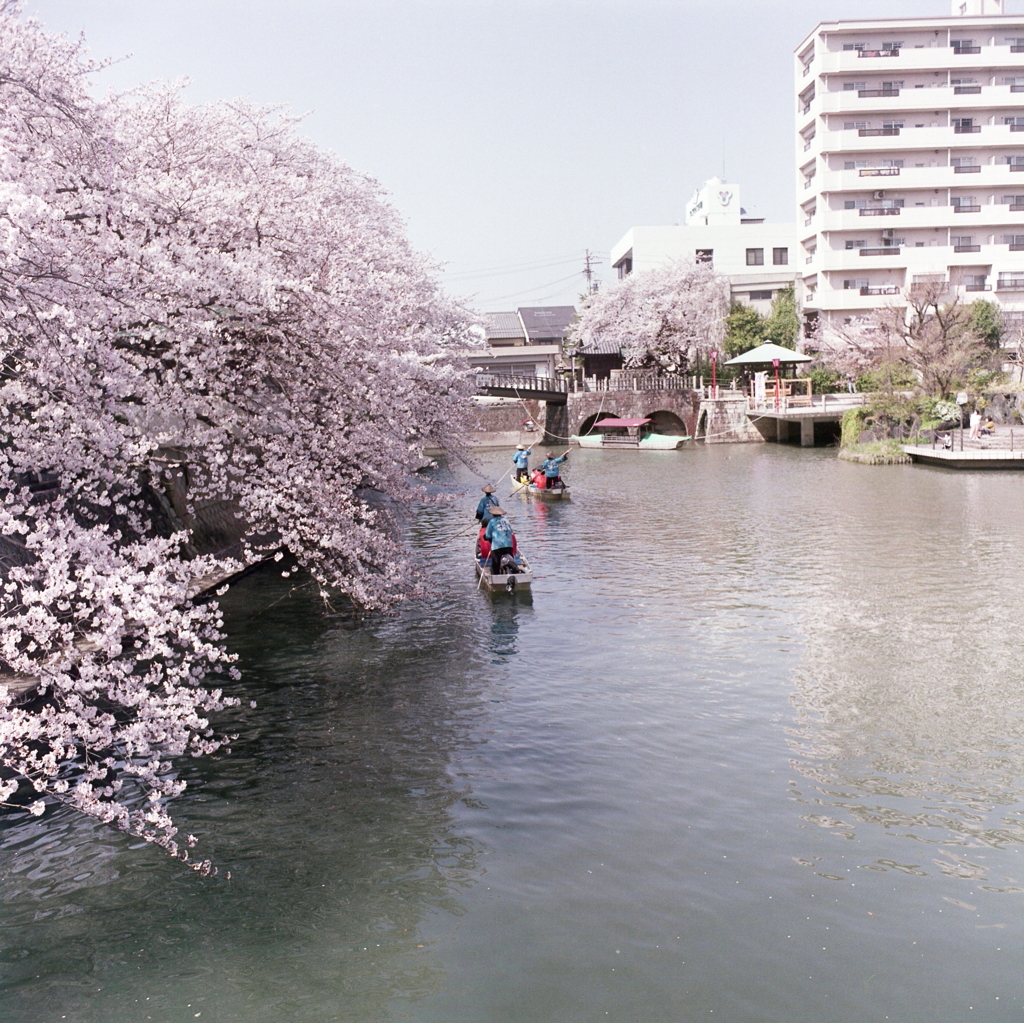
(521, 579)
(627, 435)
(560, 493)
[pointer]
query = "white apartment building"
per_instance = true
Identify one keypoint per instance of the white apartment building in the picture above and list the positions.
(910, 159)
(757, 258)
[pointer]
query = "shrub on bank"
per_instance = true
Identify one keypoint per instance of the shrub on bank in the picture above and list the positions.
(878, 452)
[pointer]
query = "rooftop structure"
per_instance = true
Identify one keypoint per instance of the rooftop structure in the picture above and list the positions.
(757, 258)
(910, 157)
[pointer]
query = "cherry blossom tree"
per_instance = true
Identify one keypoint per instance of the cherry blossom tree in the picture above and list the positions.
(199, 293)
(667, 317)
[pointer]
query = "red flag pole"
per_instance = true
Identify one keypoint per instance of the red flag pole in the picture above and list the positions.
(775, 363)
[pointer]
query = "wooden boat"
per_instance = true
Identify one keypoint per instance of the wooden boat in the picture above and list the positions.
(632, 438)
(521, 580)
(562, 493)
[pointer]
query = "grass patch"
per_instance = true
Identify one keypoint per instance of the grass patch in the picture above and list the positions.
(878, 452)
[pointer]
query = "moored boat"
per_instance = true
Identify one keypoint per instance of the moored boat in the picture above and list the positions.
(630, 438)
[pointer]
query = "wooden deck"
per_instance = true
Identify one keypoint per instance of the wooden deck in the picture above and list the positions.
(1002, 450)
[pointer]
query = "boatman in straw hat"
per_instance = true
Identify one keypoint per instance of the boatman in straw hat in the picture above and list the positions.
(551, 469)
(521, 460)
(501, 538)
(487, 502)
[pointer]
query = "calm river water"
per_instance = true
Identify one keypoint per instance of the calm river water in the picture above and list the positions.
(753, 752)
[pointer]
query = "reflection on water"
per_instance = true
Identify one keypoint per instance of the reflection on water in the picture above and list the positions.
(910, 691)
(751, 751)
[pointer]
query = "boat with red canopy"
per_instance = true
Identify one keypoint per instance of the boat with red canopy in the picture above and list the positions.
(613, 432)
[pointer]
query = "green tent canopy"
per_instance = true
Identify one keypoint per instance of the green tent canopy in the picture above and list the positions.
(764, 354)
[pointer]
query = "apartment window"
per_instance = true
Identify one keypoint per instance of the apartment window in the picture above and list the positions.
(854, 86)
(964, 200)
(963, 240)
(891, 86)
(854, 164)
(705, 256)
(892, 46)
(854, 125)
(892, 163)
(760, 296)
(1016, 240)
(780, 256)
(856, 243)
(854, 46)
(855, 204)
(1014, 161)
(961, 81)
(892, 124)
(1016, 44)
(1014, 122)
(755, 257)
(855, 285)
(1013, 200)
(967, 161)
(963, 123)
(895, 243)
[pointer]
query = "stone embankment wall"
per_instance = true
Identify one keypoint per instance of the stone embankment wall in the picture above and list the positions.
(725, 421)
(501, 424)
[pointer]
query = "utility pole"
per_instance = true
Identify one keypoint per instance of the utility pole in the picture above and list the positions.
(588, 271)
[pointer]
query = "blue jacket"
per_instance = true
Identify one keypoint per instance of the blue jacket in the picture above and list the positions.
(521, 459)
(483, 509)
(550, 466)
(499, 532)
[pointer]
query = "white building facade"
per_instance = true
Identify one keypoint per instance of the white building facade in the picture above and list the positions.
(757, 258)
(910, 160)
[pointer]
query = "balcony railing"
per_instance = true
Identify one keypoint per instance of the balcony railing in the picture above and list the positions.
(878, 172)
(889, 250)
(967, 248)
(966, 129)
(1016, 207)
(1010, 284)
(866, 132)
(966, 209)
(872, 93)
(1016, 166)
(1017, 88)
(886, 290)
(1017, 49)
(878, 53)
(880, 211)
(977, 287)
(971, 168)
(1016, 127)
(966, 49)
(966, 90)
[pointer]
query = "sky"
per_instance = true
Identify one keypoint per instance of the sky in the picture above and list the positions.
(512, 136)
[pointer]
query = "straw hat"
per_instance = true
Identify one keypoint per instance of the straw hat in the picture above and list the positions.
(520, 447)
(495, 510)
(487, 488)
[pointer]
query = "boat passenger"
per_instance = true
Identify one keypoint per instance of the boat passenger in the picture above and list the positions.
(501, 538)
(521, 460)
(487, 502)
(551, 470)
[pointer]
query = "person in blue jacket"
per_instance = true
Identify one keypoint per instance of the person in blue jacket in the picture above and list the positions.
(521, 460)
(551, 469)
(487, 502)
(501, 538)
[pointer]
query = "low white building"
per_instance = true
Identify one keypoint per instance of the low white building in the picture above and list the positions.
(757, 258)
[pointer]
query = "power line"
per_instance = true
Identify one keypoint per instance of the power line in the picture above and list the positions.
(512, 267)
(539, 287)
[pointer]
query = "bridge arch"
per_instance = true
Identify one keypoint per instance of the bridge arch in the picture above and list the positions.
(587, 426)
(666, 423)
(701, 433)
